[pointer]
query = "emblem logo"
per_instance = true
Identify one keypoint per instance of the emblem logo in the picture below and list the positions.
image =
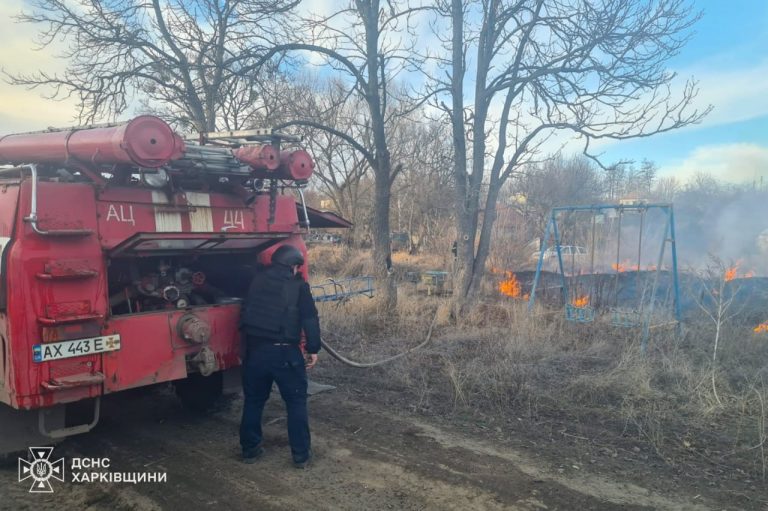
(41, 469)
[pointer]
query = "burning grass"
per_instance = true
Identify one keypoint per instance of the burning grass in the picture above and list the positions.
(497, 360)
(511, 287)
(732, 273)
(620, 267)
(580, 301)
(627, 265)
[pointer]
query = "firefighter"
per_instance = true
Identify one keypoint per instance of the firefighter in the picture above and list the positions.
(278, 307)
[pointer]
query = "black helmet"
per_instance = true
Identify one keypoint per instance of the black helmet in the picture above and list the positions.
(288, 255)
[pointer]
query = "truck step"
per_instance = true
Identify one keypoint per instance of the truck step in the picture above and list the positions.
(74, 275)
(64, 320)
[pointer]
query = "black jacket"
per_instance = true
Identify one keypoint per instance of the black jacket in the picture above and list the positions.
(278, 307)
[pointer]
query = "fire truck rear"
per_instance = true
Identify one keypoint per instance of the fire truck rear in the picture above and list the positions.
(125, 254)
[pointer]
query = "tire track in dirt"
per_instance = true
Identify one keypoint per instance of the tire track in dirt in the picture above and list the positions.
(620, 493)
(366, 458)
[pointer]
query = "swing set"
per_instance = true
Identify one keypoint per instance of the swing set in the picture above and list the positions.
(648, 305)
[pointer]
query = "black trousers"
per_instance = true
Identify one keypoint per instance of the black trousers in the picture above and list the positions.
(264, 364)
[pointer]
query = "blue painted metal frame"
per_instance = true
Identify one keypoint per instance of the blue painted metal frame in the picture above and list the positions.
(336, 290)
(669, 237)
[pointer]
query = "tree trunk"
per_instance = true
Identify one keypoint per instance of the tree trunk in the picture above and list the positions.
(484, 245)
(382, 256)
(464, 246)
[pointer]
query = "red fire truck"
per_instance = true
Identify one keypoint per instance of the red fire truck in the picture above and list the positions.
(125, 252)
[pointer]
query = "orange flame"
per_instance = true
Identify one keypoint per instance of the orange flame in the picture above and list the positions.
(628, 265)
(733, 273)
(762, 328)
(581, 301)
(620, 267)
(511, 286)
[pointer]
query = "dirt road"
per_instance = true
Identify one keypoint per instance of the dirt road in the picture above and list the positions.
(366, 458)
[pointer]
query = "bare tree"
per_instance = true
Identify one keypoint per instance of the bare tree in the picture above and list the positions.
(627, 180)
(341, 168)
(423, 191)
(556, 182)
(716, 300)
(370, 46)
(180, 58)
(594, 68)
(666, 189)
(423, 148)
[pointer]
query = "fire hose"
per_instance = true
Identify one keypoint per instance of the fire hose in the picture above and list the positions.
(363, 365)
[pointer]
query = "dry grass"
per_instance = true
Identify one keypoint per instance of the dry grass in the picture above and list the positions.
(499, 360)
(337, 262)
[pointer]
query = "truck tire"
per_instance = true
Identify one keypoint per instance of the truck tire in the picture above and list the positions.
(199, 393)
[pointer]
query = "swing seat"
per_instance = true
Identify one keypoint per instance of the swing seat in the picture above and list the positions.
(579, 314)
(625, 318)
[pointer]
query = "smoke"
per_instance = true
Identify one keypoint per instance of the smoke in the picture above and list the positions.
(741, 162)
(711, 219)
(727, 222)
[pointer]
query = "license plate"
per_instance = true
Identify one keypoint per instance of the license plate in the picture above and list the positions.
(75, 348)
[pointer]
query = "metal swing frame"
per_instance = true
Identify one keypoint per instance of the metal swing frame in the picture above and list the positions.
(586, 314)
(333, 290)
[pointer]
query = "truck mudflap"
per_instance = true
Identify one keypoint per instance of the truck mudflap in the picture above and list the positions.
(55, 430)
(21, 428)
(35, 428)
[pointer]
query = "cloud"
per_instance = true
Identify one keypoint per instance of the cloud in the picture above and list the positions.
(735, 163)
(21, 109)
(737, 94)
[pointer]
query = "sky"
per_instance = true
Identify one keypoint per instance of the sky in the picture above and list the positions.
(20, 109)
(728, 55)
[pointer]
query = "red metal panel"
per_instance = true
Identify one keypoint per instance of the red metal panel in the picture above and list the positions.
(30, 299)
(230, 214)
(123, 212)
(286, 218)
(63, 269)
(152, 351)
(67, 309)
